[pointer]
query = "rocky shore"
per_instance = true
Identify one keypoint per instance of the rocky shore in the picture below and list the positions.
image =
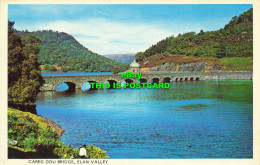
(53, 125)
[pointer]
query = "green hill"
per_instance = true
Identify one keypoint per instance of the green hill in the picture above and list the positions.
(63, 50)
(231, 46)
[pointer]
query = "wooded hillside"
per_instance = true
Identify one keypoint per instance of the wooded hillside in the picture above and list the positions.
(63, 50)
(233, 41)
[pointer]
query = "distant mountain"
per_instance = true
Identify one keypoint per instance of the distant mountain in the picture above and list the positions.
(63, 50)
(123, 58)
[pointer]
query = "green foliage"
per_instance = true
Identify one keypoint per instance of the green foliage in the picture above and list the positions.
(237, 63)
(221, 51)
(49, 68)
(93, 152)
(68, 151)
(116, 70)
(29, 143)
(47, 141)
(166, 54)
(249, 156)
(24, 77)
(44, 140)
(235, 40)
(21, 128)
(96, 152)
(139, 56)
(160, 47)
(65, 51)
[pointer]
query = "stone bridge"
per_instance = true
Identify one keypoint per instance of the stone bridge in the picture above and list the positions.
(75, 82)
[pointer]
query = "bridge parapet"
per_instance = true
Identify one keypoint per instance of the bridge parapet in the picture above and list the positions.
(51, 82)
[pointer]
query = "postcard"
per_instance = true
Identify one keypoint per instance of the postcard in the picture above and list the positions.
(112, 82)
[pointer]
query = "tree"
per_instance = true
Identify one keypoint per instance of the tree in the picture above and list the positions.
(221, 51)
(24, 76)
(116, 70)
(201, 32)
(139, 56)
(50, 68)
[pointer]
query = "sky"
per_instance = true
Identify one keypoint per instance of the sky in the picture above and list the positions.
(119, 29)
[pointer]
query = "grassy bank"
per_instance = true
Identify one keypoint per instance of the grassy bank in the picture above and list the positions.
(42, 122)
(38, 137)
(237, 63)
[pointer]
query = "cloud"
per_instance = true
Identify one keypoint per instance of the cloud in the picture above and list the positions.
(107, 29)
(107, 37)
(104, 36)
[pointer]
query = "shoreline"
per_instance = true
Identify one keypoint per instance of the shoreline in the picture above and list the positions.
(42, 121)
(46, 144)
(60, 131)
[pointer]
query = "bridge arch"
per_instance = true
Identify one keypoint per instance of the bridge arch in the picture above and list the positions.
(111, 82)
(166, 80)
(126, 81)
(65, 86)
(87, 86)
(181, 79)
(186, 79)
(51, 82)
(155, 80)
(197, 78)
(142, 80)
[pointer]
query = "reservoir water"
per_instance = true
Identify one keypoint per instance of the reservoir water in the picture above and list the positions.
(197, 119)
